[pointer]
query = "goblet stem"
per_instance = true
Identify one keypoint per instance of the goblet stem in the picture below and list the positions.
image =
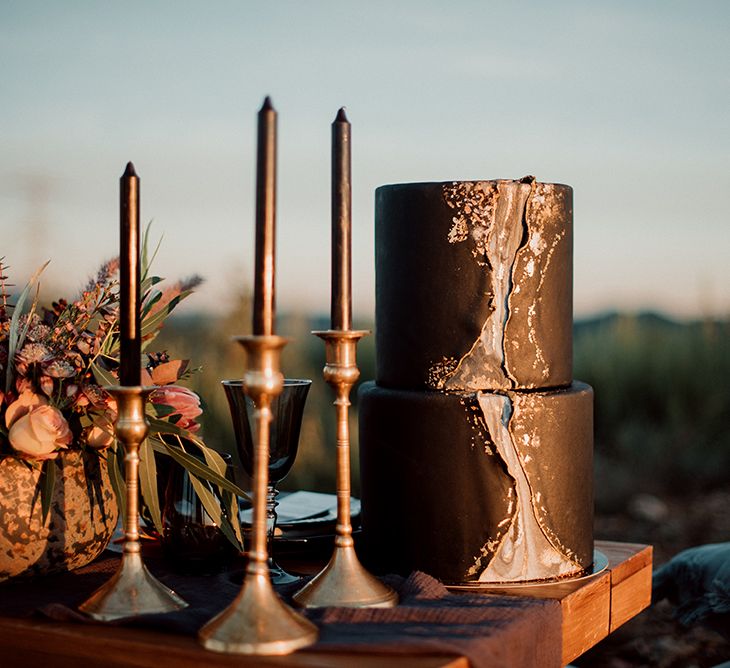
(271, 517)
(277, 574)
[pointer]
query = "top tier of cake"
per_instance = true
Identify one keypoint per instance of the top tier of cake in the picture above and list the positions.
(474, 285)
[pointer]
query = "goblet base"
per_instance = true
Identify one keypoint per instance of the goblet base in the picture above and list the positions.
(277, 575)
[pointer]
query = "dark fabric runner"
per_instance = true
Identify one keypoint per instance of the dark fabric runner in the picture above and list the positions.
(489, 630)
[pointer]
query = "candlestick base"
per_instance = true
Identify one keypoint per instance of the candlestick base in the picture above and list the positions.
(131, 591)
(258, 622)
(344, 582)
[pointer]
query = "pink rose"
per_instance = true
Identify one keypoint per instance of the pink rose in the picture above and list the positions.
(40, 433)
(185, 403)
(25, 403)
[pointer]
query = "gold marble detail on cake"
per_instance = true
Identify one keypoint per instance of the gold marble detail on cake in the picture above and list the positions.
(543, 216)
(515, 228)
(526, 439)
(527, 550)
(497, 230)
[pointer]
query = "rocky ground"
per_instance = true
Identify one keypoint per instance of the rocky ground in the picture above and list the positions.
(654, 638)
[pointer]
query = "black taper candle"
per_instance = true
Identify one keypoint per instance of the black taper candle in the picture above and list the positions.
(129, 279)
(264, 292)
(341, 310)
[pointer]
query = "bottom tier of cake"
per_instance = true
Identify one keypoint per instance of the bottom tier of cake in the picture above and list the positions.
(477, 487)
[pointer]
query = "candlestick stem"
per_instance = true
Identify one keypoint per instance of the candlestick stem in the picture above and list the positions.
(344, 581)
(132, 590)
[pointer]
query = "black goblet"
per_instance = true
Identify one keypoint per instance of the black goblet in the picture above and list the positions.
(191, 541)
(287, 410)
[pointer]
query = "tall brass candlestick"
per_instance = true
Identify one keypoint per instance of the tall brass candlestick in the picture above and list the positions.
(343, 581)
(129, 279)
(341, 310)
(263, 294)
(132, 590)
(257, 622)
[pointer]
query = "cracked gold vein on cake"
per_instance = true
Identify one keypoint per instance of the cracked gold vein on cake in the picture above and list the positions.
(515, 229)
(527, 550)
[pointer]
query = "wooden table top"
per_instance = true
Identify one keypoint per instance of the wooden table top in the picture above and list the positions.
(591, 609)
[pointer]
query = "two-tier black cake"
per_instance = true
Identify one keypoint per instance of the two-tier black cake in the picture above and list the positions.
(476, 445)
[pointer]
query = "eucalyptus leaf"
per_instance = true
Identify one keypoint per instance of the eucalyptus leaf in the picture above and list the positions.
(212, 507)
(102, 376)
(48, 482)
(148, 282)
(28, 320)
(146, 259)
(213, 459)
(159, 426)
(15, 339)
(117, 480)
(150, 301)
(148, 483)
(194, 466)
(159, 410)
(229, 500)
(154, 321)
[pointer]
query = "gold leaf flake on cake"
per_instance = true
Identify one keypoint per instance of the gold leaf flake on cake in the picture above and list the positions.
(474, 417)
(474, 203)
(439, 371)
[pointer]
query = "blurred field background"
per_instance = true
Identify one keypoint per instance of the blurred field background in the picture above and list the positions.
(662, 407)
(662, 439)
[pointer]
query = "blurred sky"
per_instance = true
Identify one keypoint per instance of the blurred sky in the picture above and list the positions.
(625, 101)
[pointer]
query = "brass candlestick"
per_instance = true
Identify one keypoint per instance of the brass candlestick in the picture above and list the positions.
(258, 622)
(343, 581)
(132, 590)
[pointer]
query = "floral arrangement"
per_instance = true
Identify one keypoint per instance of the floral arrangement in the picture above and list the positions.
(54, 365)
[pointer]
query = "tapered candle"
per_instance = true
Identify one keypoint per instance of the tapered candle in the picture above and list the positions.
(129, 279)
(341, 311)
(263, 296)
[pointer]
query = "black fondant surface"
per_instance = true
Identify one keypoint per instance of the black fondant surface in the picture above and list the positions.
(433, 497)
(431, 296)
(434, 293)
